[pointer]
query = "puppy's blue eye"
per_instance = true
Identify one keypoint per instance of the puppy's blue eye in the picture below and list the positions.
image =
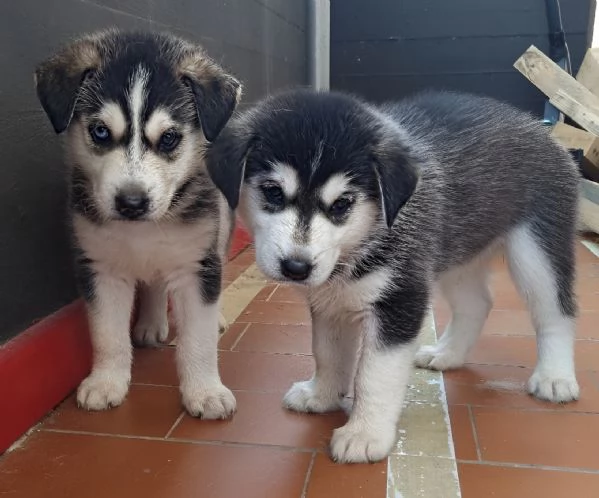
(273, 194)
(341, 206)
(99, 133)
(169, 140)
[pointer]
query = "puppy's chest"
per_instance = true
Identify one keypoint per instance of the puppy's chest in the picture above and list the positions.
(347, 299)
(146, 251)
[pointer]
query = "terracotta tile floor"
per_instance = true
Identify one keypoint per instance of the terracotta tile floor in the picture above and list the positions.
(507, 444)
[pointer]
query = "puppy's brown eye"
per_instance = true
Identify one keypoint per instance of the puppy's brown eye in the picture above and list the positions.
(100, 133)
(273, 194)
(169, 140)
(341, 206)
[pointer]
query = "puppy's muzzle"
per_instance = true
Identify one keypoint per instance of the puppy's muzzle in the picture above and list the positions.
(296, 269)
(132, 203)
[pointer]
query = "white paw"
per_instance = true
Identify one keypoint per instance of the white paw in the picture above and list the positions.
(305, 397)
(355, 443)
(551, 387)
(437, 358)
(222, 323)
(216, 402)
(150, 333)
(101, 391)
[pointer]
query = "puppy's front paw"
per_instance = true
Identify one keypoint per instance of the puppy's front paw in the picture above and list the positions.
(355, 443)
(555, 388)
(437, 358)
(306, 397)
(216, 402)
(150, 333)
(101, 391)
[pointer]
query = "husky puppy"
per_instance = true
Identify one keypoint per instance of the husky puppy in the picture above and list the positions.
(367, 207)
(137, 111)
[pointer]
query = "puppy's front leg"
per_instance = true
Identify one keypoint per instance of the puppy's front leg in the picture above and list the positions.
(196, 308)
(109, 302)
(382, 376)
(335, 349)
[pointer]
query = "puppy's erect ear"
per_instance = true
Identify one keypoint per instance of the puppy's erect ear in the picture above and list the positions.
(216, 93)
(59, 78)
(225, 160)
(397, 174)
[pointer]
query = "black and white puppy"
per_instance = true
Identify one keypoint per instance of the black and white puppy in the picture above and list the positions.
(137, 111)
(367, 207)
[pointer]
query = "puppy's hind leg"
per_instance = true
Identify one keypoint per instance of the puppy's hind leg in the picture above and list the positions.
(151, 328)
(544, 273)
(466, 289)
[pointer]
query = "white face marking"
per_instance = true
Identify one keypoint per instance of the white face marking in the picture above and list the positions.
(286, 177)
(324, 242)
(333, 189)
(112, 116)
(159, 122)
(137, 97)
(136, 163)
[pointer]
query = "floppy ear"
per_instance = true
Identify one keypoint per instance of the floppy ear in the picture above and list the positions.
(216, 93)
(225, 160)
(59, 79)
(397, 174)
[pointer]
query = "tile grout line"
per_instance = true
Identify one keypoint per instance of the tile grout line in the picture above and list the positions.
(272, 293)
(527, 410)
(170, 431)
(197, 442)
(511, 465)
(308, 475)
(240, 336)
(474, 433)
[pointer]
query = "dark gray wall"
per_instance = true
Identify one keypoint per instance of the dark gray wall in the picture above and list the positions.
(385, 49)
(262, 41)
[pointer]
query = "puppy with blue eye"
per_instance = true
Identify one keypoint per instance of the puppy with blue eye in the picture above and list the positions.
(367, 207)
(137, 111)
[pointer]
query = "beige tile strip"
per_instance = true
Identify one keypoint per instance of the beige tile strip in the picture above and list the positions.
(423, 463)
(241, 292)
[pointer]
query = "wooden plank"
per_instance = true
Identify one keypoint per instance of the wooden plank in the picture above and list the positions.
(564, 92)
(589, 206)
(574, 138)
(577, 110)
(588, 74)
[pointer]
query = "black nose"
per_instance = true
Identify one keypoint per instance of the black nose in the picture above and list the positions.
(131, 204)
(296, 269)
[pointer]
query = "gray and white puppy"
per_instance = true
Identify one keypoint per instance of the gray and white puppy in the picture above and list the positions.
(367, 207)
(137, 111)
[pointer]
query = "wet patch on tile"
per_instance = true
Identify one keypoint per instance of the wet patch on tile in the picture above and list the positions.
(411, 476)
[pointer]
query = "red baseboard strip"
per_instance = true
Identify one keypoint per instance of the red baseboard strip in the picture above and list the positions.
(42, 365)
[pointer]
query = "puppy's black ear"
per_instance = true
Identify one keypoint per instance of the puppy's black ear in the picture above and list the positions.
(59, 79)
(216, 93)
(225, 160)
(397, 174)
